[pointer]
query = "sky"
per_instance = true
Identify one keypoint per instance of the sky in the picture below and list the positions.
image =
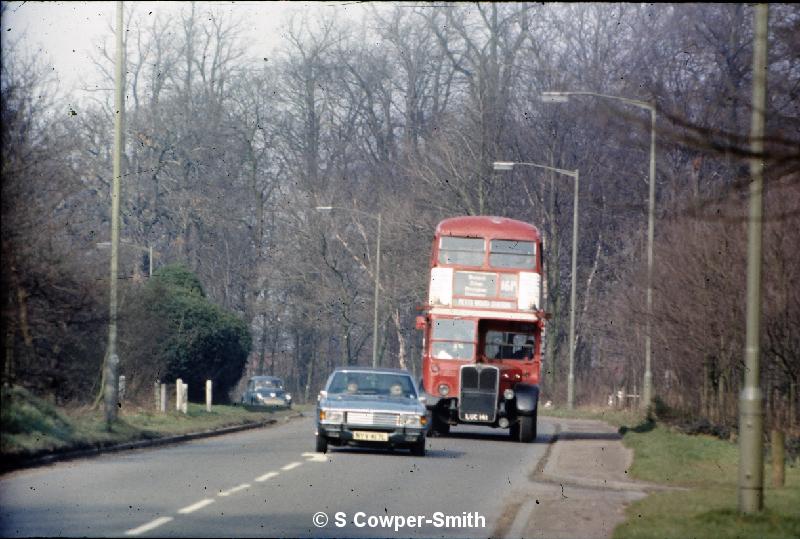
(66, 34)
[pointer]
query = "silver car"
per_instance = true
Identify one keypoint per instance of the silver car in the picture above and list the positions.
(364, 406)
(266, 391)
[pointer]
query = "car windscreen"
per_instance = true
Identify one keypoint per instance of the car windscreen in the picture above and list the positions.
(267, 384)
(372, 383)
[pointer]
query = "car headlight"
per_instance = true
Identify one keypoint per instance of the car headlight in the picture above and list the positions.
(406, 420)
(444, 390)
(508, 394)
(288, 396)
(331, 416)
(259, 396)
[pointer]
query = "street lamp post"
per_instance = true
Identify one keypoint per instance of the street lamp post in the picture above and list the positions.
(377, 276)
(751, 413)
(507, 165)
(561, 97)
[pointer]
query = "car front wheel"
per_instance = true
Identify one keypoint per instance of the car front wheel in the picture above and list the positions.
(418, 449)
(322, 444)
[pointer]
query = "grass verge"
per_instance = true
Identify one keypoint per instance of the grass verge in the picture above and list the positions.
(708, 467)
(31, 428)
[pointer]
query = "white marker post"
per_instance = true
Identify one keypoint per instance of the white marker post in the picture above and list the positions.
(208, 395)
(185, 398)
(163, 407)
(179, 394)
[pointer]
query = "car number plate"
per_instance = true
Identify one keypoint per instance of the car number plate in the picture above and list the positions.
(370, 436)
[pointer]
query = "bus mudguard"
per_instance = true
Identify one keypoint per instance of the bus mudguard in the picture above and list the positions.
(527, 398)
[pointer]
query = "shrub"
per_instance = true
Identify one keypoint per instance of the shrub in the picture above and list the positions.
(173, 332)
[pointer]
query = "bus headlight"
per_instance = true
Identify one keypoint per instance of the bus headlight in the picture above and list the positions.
(508, 394)
(444, 390)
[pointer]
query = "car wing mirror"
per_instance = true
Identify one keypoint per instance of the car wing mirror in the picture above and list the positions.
(422, 399)
(322, 395)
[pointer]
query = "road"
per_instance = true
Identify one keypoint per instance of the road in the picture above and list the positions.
(268, 482)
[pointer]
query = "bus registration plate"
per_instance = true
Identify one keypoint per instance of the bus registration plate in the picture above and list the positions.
(370, 436)
(476, 417)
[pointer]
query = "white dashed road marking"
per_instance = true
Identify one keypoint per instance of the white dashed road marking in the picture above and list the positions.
(312, 457)
(234, 489)
(195, 506)
(149, 526)
(266, 476)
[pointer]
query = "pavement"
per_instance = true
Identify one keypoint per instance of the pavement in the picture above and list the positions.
(580, 488)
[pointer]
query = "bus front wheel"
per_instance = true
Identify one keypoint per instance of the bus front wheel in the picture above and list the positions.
(439, 426)
(526, 428)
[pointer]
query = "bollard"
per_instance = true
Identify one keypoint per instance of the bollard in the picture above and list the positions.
(157, 395)
(185, 398)
(778, 459)
(179, 394)
(208, 395)
(163, 407)
(121, 387)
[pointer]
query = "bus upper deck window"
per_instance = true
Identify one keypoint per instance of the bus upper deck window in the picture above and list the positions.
(512, 254)
(461, 251)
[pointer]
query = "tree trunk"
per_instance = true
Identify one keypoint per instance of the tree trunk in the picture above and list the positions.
(309, 376)
(401, 342)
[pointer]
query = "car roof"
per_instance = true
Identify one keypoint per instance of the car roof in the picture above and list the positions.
(384, 370)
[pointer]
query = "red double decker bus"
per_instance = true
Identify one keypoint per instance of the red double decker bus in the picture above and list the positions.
(483, 325)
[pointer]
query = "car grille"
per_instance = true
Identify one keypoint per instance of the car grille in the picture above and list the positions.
(478, 393)
(372, 418)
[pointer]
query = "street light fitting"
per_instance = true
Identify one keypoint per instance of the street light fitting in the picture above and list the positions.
(554, 97)
(503, 165)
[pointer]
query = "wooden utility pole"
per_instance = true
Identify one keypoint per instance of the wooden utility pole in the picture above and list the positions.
(112, 359)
